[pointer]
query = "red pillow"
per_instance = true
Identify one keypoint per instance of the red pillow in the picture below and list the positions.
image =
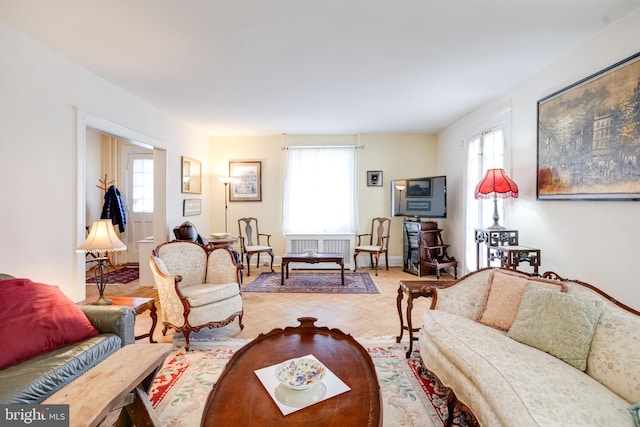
(36, 318)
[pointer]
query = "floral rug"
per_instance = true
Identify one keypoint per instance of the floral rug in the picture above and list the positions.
(120, 276)
(182, 386)
(322, 283)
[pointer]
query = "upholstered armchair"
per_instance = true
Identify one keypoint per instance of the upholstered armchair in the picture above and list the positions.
(197, 288)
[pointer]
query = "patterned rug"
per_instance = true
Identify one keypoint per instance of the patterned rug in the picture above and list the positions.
(120, 276)
(410, 399)
(322, 283)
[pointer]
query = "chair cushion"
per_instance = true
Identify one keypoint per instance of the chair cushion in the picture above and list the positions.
(37, 318)
(199, 295)
(257, 248)
(368, 248)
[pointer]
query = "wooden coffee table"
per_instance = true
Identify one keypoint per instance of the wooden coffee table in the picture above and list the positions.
(310, 259)
(240, 399)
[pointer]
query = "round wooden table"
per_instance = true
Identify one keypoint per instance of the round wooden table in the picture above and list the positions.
(240, 399)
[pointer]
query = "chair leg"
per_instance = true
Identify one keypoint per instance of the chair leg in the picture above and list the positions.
(386, 259)
(248, 265)
(355, 261)
(186, 339)
(271, 266)
(377, 261)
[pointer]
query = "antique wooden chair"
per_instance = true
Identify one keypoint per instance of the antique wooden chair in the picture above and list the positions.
(378, 243)
(250, 242)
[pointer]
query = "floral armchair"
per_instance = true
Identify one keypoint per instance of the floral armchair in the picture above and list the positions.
(197, 288)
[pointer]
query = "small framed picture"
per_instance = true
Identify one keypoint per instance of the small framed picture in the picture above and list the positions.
(191, 176)
(374, 178)
(191, 207)
(247, 181)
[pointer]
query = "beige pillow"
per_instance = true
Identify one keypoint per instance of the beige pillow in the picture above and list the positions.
(504, 295)
(558, 323)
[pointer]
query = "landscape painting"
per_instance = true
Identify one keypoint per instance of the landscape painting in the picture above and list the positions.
(589, 137)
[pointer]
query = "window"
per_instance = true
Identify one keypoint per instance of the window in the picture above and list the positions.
(142, 186)
(486, 151)
(320, 195)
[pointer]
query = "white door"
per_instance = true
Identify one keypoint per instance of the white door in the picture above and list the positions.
(139, 199)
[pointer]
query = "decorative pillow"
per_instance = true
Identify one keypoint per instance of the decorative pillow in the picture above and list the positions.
(504, 295)
(558, 323)
(635, 411)
(37, 318)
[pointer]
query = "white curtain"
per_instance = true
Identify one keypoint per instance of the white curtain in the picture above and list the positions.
(320, 194)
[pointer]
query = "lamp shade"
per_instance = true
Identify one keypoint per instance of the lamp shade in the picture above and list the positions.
(102, 238)
(225, 179)
(496, 183)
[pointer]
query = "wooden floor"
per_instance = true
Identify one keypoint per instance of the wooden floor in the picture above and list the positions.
(369, 315)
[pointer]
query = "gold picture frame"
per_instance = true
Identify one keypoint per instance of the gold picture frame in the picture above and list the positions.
(191, 176)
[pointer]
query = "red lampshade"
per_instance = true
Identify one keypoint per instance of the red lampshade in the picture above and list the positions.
(496, 183)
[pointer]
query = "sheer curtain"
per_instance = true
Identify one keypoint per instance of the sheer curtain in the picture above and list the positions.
(320, 194)
(486, 151)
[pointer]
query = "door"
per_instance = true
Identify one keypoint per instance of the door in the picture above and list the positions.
(139, 199)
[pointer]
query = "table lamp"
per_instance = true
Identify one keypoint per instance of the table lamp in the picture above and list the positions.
(102, 239)
(496, 184)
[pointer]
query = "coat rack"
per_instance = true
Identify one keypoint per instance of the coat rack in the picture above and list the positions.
(104, 183)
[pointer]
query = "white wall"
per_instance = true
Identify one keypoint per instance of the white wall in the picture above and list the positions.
(41, 94)
(596, 242)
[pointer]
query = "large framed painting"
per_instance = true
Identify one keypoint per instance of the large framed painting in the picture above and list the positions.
(247, 181)
(589, 137)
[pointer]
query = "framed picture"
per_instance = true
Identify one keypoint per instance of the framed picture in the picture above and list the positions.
(247, 181)
(191, 207)
(589, 137)
(191, 176)
(374, 178)
(419, 187)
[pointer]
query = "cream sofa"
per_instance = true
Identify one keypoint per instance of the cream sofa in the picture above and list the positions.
(483, 335)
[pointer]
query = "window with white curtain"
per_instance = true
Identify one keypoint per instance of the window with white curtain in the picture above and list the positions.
(486, 151)
(320, 194)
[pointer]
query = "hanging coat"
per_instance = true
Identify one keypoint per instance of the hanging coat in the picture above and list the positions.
(113, 208)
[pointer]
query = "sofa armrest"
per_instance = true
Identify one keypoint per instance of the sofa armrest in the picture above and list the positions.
(112, 319)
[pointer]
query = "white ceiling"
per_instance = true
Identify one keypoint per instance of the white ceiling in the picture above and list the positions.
(258, 67)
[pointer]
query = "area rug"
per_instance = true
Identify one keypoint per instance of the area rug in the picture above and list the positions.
(120, 276)
(410, 399)
(324, 283)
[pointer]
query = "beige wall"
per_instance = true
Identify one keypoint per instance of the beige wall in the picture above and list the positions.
(42, 93)
(596, 242)
(398, 156)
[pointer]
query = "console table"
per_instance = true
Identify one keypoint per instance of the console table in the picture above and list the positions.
(512, 256)
(490, 238)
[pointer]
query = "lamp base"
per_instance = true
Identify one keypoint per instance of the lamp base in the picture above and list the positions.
(496, 227)
(102, 301)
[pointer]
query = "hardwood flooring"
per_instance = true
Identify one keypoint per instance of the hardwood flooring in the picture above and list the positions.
(368, 315)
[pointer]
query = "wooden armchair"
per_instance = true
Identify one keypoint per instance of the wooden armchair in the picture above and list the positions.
(250, 239)
(378, 243)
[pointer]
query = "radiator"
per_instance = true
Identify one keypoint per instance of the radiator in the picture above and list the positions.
(331, 243)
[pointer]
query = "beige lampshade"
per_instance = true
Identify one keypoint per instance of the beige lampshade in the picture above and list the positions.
(102, 238)
(225, 179)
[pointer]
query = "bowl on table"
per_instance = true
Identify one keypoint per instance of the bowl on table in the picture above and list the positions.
(301, 373)
(220, 236)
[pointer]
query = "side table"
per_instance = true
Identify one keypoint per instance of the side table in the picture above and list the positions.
(139, 305)
(413, 290)
(512, 256)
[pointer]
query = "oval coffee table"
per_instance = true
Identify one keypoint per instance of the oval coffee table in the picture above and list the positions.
(240, 399)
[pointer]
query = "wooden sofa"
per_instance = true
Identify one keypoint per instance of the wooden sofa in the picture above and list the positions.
(519, 350)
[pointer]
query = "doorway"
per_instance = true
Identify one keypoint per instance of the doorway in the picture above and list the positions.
(86, 123)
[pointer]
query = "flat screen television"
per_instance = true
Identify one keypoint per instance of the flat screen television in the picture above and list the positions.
(419, 197)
